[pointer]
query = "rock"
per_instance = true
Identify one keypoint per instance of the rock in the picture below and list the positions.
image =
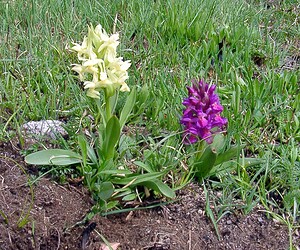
(50, 129)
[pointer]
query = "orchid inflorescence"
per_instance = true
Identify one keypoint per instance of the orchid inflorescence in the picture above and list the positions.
(101, 68)
(201, 117)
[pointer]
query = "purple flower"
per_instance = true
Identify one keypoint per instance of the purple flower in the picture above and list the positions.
(202, 118)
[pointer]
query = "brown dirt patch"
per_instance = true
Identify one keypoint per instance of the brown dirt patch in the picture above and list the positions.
(180, 225)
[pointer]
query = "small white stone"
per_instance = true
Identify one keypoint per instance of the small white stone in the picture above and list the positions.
(48, 128)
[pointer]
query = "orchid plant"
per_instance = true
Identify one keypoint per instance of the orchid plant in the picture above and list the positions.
(203, 125)
(102, 71)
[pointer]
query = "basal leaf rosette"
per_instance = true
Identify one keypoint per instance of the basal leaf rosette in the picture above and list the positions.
(100, 67)
(202, 115)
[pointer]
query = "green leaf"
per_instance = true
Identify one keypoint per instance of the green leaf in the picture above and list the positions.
(224, 167)
(64, 160)
(106, 190)
(228, 155)
(144, 166)
(129, 197)
(159, 186)
(121, 192)
(106, 165)
(111, 205)
(127, 107)
(91, 154)
(86, 150)
(206, 162)
(83, 147)
(218, 143)
(112, 135)
(59, 157)
(137, 178)
(116, 171)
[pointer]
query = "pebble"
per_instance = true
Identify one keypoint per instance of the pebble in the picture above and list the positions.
(228, 222)
(260, 220)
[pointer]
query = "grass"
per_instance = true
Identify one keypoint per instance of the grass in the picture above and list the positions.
(250, 49)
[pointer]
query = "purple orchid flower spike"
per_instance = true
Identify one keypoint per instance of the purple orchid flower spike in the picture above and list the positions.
(201, 117)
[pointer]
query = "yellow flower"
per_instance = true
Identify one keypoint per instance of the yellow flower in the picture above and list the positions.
(89, 85)
(120, 65)
(80, 70)
(125, 88)
(85, 50)
(81, 49)
(98, 53)
(93, 93)
(109, 48)
(105, 46)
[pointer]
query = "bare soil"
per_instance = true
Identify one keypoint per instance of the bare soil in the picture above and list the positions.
(56, 208)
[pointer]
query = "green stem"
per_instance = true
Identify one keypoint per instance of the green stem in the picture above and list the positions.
(107, 106)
